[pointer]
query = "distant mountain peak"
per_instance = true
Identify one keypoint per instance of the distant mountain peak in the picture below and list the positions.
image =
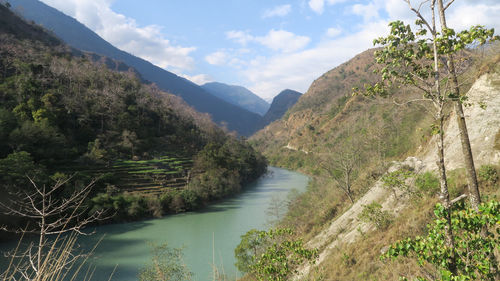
(280, 105)
(80, 37)
(238, 95)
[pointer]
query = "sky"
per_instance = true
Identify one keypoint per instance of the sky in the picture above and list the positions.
(265, 46)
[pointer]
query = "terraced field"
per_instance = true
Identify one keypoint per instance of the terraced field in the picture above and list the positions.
(152, 176)
(145, 177)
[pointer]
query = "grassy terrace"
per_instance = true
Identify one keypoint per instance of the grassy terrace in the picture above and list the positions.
(146, 177)
(151, 176)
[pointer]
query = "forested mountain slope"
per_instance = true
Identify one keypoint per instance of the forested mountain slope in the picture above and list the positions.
(62, 114)
(77, 35)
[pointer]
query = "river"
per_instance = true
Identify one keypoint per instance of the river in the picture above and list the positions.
(213, 232)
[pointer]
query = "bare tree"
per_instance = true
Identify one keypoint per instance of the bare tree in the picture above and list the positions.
(53, 215)
(342, 164)
(276, 210)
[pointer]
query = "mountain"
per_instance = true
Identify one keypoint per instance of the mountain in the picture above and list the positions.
(281, 103)
(355, 148)
(238, 95)
(65, 112)
(77, 35)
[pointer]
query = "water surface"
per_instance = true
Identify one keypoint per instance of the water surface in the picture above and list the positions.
(207, 236)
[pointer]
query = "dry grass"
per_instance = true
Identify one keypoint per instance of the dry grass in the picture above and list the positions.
(360, 261)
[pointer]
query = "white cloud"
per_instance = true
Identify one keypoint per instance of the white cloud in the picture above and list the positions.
(147, 42)
(297, 70)
(368, 11)
(242, 37)
(277, 40)
(398, 9)
(281, 40)
(217, 58)
(333, 31)
(318, 6)
(199, 79)
(465, 15)
(278, 11)
(227, 57)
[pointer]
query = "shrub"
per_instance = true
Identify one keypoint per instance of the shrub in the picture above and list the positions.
(166, 200)
(497, 141)
(191, 199)
(397, 181)
(475, 243)
(427, 183)
(373, 213)
(154, 206)
(488, 173)
(282, 256)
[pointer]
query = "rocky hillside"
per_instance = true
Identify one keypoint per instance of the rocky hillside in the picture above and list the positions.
(484, 133)
(328, 115)
(483, 124)
(348, 144)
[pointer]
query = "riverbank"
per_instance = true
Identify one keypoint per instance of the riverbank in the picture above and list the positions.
(208, 236)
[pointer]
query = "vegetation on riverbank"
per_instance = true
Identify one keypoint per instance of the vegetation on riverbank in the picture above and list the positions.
(63, 115)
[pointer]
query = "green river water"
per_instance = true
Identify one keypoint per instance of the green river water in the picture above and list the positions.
(207, 236)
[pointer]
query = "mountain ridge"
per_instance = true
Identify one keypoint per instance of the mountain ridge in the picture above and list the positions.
(280, 105)
(68, 114)
(72, 32)
(238, 95)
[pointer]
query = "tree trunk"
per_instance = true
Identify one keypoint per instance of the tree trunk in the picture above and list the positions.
(474, 195)
(348, 193)
(470, 169)
(348, 185)
(444, 195)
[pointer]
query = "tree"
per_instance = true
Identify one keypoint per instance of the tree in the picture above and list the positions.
(453, 44)
(415, 59)
(277, 210)
(251, 245)
(52, 214)
(342, 164)
(281, 256)
(166, 264)
(397, 180)
(373, 213)
(473, 249)
(15, 167)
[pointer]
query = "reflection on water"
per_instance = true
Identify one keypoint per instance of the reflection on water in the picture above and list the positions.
(213, 232)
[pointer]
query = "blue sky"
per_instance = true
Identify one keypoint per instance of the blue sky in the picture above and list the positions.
(266, 46)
